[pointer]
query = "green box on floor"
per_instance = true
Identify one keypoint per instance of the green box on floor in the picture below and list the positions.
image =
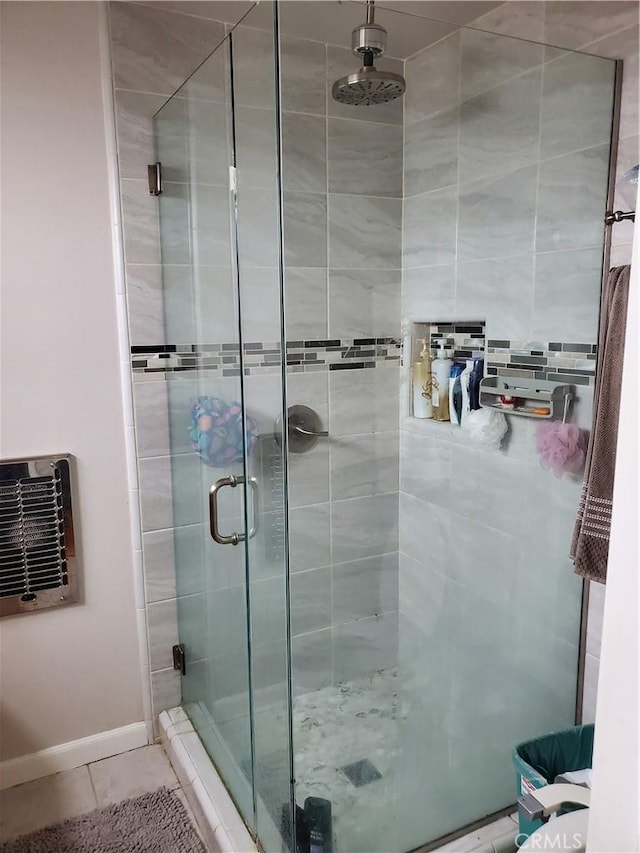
(539, 761)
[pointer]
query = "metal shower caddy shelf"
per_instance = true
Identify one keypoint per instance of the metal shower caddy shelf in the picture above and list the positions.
(536, 393)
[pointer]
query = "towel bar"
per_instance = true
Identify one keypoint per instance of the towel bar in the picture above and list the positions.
(612, 216)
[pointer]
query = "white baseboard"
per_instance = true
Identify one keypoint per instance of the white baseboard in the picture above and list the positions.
(66, 756)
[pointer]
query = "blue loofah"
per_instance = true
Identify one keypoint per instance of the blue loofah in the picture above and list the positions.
(216, 432)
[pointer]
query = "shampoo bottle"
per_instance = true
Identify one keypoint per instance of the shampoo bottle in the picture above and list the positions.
(441, 370)
(477, 373)
(455, 394)
(317, 812)
(465, 377)
(421, 381)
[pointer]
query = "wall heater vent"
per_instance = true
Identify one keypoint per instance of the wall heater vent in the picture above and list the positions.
(38, 566)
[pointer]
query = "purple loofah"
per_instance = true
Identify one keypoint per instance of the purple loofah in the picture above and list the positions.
(561, 447)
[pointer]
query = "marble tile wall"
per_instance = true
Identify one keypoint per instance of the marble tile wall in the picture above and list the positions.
(342, 230)
(355, 295)
(506, 161)
(153, 50)
(607, 29)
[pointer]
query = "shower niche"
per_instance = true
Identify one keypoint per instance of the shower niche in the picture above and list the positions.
(458, 342)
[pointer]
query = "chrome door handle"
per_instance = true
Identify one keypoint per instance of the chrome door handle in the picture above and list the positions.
(253, 528)
(220, 538)
(233, 538)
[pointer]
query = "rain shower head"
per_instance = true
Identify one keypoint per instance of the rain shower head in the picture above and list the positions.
(369, 86)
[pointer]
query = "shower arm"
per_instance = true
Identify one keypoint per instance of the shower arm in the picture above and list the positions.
(370, 11)
(368, 56)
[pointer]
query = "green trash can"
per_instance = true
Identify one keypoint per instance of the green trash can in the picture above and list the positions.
(539, 761)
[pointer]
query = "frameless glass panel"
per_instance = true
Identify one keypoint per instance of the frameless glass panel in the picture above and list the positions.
(434, 611)
(256, 128)
(489, 604)
(342, 178)
(194, 145)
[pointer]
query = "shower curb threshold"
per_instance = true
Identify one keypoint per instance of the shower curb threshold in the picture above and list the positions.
(218, 819)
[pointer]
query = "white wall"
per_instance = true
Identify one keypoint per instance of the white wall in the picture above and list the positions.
(614, 815)
(71, 672)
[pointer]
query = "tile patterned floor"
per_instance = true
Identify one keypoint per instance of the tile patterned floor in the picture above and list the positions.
(334, 727)
(34, 805)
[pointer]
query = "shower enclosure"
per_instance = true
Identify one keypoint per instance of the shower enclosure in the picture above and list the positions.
(373, 608)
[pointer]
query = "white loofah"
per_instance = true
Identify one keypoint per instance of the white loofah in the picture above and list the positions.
(485, 427)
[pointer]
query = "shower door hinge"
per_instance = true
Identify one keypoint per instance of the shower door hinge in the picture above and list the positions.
(233, 179)
(179, 658)
(154, 174)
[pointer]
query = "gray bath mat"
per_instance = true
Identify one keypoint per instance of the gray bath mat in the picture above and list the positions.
(153, 823)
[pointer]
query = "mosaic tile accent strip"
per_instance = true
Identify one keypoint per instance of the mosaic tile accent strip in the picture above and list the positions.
(464, 340)
(264, 358)
(556, 361)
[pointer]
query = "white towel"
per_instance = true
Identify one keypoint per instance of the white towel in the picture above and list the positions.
(575, 777)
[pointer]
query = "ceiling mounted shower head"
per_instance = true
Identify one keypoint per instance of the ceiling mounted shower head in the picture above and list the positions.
(369, 86)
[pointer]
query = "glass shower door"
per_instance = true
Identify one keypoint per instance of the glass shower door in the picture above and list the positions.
(221, 291)
(193, 133)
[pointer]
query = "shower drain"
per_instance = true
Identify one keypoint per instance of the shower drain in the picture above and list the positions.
(361, 772)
